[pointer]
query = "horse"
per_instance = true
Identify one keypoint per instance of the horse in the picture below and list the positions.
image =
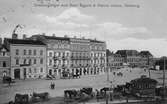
(88, 91)
(70, 93)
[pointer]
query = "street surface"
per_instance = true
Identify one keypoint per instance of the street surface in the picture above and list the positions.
(7, 93)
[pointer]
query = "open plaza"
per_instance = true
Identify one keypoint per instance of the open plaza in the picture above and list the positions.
(7, 93)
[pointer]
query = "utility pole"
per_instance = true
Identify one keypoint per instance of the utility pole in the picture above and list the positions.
(164, 78)
(149, 67)
(107, 74)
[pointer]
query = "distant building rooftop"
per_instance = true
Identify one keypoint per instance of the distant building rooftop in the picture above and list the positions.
(124, 53)
(57, 38)
(145, 53)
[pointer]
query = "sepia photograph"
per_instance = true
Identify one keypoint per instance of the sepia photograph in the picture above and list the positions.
(83, 52)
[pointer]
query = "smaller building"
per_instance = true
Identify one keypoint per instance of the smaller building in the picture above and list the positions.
(146, 59)
(143, 87)
(160, 63)
(114, 61)
(4, 61)
(130, 57)
(27, 57)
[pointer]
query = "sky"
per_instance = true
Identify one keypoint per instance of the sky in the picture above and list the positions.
(123, 24)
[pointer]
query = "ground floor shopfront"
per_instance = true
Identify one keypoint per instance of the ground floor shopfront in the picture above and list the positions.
(27, 72)
(77, 70)
(41, 72)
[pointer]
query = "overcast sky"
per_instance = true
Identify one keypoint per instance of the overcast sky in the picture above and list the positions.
(142, 27)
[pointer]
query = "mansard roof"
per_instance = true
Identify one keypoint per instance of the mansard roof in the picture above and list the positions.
(23, 41)
(145, 53)
(96, 41)
(57, 38)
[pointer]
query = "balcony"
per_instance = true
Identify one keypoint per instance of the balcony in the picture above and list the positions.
(80, 57)
(25, 64)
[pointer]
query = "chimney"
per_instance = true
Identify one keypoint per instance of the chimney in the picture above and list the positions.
(24, 36)
(14, 36)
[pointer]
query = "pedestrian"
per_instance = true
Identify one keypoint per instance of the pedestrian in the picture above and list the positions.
(52, 85)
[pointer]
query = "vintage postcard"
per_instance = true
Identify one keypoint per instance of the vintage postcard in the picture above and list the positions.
(83, 52)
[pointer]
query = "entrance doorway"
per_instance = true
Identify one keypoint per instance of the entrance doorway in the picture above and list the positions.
(24, 73)
(17, 73)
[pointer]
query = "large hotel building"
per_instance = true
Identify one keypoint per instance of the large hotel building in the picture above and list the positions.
(84, 56)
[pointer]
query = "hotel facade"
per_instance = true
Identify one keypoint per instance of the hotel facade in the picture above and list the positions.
(74, 55)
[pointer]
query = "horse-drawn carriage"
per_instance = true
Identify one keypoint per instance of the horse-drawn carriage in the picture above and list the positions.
(37, 97)
(102, 93)
(21, 99)
(83, 94)
(33, 98)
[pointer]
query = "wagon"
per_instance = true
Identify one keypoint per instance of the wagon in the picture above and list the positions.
(21, 99)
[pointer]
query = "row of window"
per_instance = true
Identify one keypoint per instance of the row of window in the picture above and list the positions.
(80, 47)
(29, 52)
(51, 54)
(58, 46)
(98, 48)
(133, 60)
(29, 61)
(97, 55)
(35, 70)
(58, 62)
